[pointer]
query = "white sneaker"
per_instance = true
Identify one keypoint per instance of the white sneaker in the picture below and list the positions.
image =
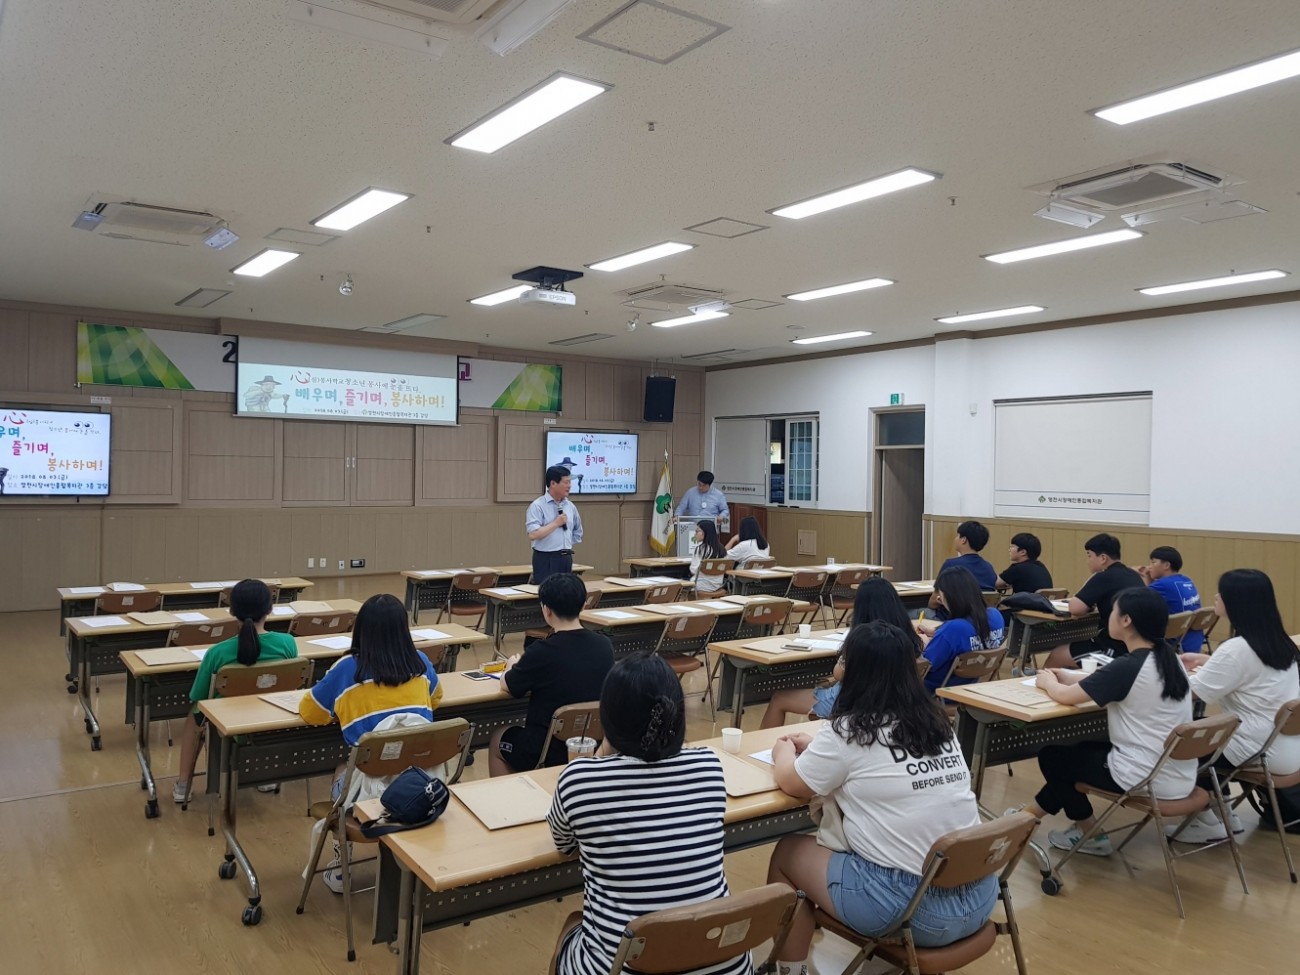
(1205, 828)
(182, 792)
(333, 876)
(1068, 839)
(269, 787)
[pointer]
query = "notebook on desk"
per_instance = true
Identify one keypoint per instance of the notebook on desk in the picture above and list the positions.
(311, 606)
(155, 619)
(288, 700)
(671, 609)
(513, 800)
(744, 778)
(165, 656)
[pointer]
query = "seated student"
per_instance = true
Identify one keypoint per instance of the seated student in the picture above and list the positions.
(382, 676)
(567, 667)
(876, 599)
(1109, 577)
(1145, 693)
(893, 808)
(1025, 573)
(645, 816)
(970, 541)
(1164, 574)
(748, 543)
(250, 603)
(707, 546)
(970, 625)
(1250, 675)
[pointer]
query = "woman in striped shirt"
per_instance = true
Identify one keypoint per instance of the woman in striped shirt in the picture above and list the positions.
(646, 818)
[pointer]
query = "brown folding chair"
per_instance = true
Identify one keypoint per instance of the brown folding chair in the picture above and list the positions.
(1177, 627)
(841, 593)
(542, 632)
(139, 601)
(992, 599)
(1054, 593)
(464, 598)
(667, 593)
(381, 754)
(805, 591)
(202, 634)
(703, 935)
(683, 639)
(1202, 740)
(571, 721)
(758, 563)
(319, 625)
(977, 666)
(1203, 621)
(1260, 783)
(756, 620)
(224, 598)
(957, 858)
(922, 668)
(713, 568)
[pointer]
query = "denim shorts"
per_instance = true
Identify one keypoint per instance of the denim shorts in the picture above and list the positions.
(824, 699)
(870, 898)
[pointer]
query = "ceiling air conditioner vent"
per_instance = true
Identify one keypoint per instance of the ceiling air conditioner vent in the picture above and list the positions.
(1130, 187)
(442, 11)
(161, 225)
(659, 295)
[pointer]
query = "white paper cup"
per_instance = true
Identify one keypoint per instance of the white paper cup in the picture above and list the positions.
(731, 740)
(1089, 665)
(581, 748)
(805, 629)
(830, 561)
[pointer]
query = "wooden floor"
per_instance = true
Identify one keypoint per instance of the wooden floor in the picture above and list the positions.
(91, 886)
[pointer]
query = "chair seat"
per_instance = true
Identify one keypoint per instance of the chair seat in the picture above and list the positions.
(802, 607)
(930, 961)
(842, 602)
(1194, 803)
(682, 664)
(538, 634)
(467, 609)
(1256, 777)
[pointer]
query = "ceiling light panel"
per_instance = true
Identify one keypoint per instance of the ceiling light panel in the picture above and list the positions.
(1231, 279)
(695, 319)
(264, 262)
(1063, 246)
(837, 337)
(841, 289)
(1221, 85)
(368, 203)
(980, 316)
(891, 183)
(501, 297)
(534, 108)
(642, 256)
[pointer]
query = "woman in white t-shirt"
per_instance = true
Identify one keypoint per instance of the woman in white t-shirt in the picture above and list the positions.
(1251, 675)
(707, 546)
(1145, 695)
(748, 544)
(889, 760)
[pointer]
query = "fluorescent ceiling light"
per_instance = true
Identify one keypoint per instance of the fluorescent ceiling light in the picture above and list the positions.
(841, 289)
(900, 180)
(699, 316)
(1062, 246)
(501, 297)
(641, 256)
(366, 204)
(1206, 90)
(1169, 289)
(264, 262)
(837, 337)
(980, 316)
(531, 110)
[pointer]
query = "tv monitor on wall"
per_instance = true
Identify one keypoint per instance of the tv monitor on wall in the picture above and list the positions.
(44, 452)
(599, 463)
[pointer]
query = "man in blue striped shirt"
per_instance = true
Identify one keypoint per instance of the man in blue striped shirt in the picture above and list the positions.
(553, 526)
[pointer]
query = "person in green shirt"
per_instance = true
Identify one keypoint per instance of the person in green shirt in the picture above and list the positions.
(250, 603)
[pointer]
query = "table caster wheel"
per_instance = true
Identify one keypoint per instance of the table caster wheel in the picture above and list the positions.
(1051, 886)
(252, 915)
(151, 809)
(96, 744)
(227, 870)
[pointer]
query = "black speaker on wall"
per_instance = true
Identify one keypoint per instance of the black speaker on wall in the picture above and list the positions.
(660, 391)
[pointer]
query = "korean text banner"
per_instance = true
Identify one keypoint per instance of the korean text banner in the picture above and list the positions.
(123, 355)
(598, 463)
(43, 452)
(492, 385)
(343, 394)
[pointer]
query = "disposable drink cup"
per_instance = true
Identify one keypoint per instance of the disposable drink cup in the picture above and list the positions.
(805, 629)
(830, 561)
(731, 740)
(1088, 664)
(581, 748)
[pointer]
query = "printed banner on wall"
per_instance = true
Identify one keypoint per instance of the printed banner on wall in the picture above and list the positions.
(123, 355)
(492, 385)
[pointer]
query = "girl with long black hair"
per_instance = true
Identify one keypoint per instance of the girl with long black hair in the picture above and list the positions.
(707, 546)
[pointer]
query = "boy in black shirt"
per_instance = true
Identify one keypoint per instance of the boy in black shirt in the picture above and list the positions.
(1025, 573)
(1110, 577)
(568, 667)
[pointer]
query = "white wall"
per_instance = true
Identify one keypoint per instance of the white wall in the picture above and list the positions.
(1225, 415)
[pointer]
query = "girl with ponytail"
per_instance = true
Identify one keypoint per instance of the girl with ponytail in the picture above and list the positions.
(1146, 696)
(250, 603)
(645, 815)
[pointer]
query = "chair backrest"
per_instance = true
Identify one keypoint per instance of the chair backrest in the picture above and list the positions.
(922, 667)
(236, 680)
(315, 625)
(139, 601)
(592, 600)
(572, 721)
(992, 598)
(691, 626)
(1203, 621)
(1201, 739)
(383, 753)
(976, 665)
(666, 593)
(202, 634)
(224, 598)
(807, 584)
(1054, 593)
(706, 934)
(716, 567)
(847, 579)
(966, 855)
(757, 616)
(1177, 625)
(1287, 721)
(473, 581)
(758, 563)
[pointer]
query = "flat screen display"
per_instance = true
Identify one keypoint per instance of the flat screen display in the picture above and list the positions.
(315, 393)
(48, 452)
(599, 463)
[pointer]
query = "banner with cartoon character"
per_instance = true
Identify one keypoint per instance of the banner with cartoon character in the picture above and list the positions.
(342, 394)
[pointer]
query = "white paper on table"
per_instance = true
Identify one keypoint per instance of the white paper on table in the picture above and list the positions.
(199, 652)
(764, 572)
(716, 604)
(125, 586)
(764, 756)
(1061, 605)
(86, 590)
(98, 621)
(191, 617)
(283, 611)
(429, 635)
(613, 614)
(205, 585)
(333, 642)
(659, 580)
(1031, 682)
(502, 591)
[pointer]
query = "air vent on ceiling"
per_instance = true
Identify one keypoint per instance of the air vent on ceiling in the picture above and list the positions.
(404, 324)
(583, 339)
(721, 355)
(162, 225)
(443, 11)
(202, 298)
(659, 295)
(1137, 185)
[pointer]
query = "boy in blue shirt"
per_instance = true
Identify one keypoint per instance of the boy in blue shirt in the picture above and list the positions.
(971, 539)
(1164, 574)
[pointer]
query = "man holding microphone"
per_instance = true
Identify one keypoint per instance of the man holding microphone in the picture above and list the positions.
(553, 526)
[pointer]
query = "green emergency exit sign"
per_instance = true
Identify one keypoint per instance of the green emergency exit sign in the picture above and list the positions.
(895, 399)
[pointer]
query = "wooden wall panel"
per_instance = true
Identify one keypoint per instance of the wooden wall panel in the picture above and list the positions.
(145, 456)
(573, 390)
(600, 391)
(14, 338)
(521, 449)
(42, 547)
(383, 471)
(690, 392)
(315, 455)
(841, 535)
(52, 353)
(457, 462)
(629, 394)
(634, 539)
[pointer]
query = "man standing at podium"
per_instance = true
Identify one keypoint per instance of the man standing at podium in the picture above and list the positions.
(705, 501)
(553, 526)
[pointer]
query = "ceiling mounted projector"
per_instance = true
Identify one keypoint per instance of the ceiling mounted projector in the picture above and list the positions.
(549, 290)
(548, 296)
